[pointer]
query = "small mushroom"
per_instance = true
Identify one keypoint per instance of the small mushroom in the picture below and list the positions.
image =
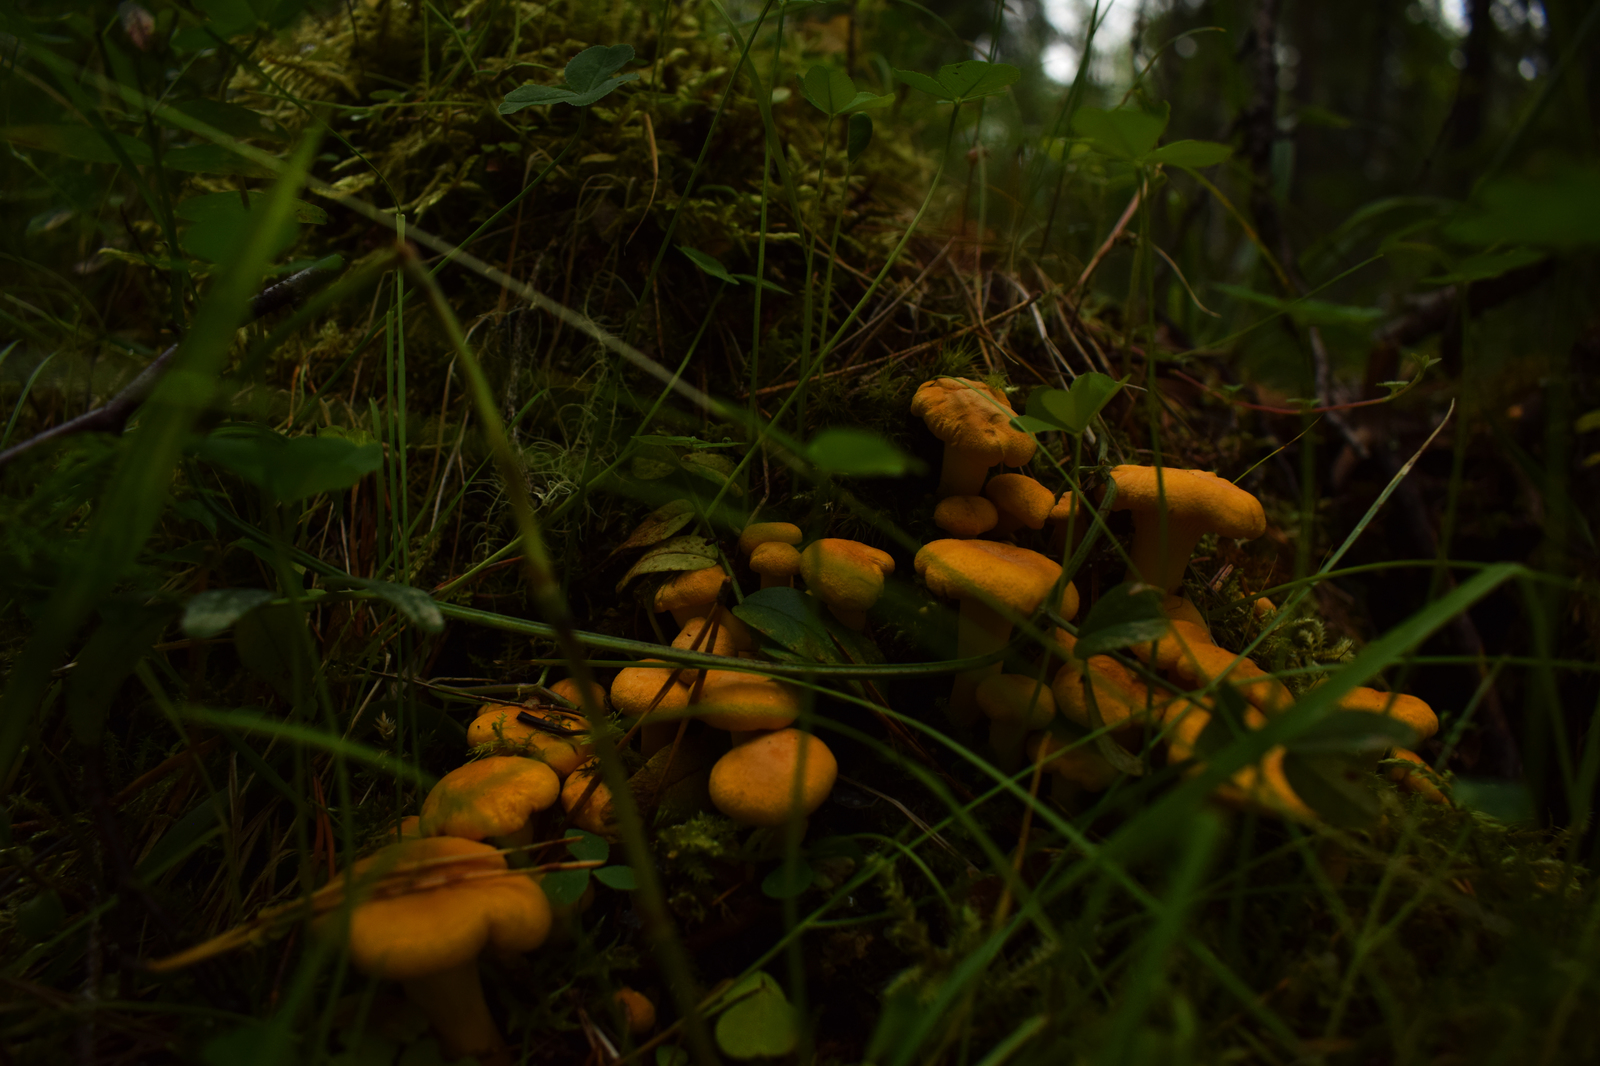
(638, 1013)
(501, 726)
(965, 517)
(1020, 502)
(643, 689)
(429, 933)
(1015, 705)
(759, 533)
(1261, 787)
(690, 593)
(1196, 502)
(1415, 780)
(744, 702)
(590, 809)
(846, 575)
(1408, 709)
(777, 563)
(1076, 767)
(493, 798)
(988, 578)
(1120, 697)
(974, 421)
(755, 783)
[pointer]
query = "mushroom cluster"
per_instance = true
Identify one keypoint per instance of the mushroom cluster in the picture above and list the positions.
(1131, 697)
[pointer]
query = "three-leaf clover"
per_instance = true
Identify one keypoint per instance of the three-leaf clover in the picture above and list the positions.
(831, 91)
(957, 83)
(590, 76)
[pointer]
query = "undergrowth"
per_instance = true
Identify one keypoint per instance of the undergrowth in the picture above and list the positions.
(250, 616)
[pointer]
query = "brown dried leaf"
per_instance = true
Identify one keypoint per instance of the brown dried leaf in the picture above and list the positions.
(662, 523)
(679, 553)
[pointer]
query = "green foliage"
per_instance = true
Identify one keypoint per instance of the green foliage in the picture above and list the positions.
(591, 76)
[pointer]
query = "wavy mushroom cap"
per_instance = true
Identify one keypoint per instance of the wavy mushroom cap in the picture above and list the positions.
(965, 516)
(1068, 507)
(637, 1010)
(759, 533)
(1263, 786)
(1201, 664)
(1119, 696)
(988, 570)
(1415, 780)
(690, 592)
(417, 933)
(745, 704)
(488, 798)
(754, 784)
(1079, 762)
(973, 417)
(731, 636)
(1408, 709)
(1182, 609)
(1024, 500)
(1191, 496)
(597, 815)
(845, 573)
(636, 686)
(1179, 642)
(1016, 699)
(775, 561)
(1068, 607)
(500, 726)
(567, 689)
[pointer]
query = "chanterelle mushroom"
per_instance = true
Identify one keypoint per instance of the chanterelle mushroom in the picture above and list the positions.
(1196, 502)
(754, 784)
(493, 797)
(1020, 501)
(846, 575)
(987, 578)
(434, 918)
(974, 421)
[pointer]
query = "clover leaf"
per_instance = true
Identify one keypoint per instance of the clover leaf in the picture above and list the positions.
(831, 91)
(590, 76)
(959, 82)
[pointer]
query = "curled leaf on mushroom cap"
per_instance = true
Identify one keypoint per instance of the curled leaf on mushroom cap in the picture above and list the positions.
(965, 516)
(754, 784)
(759, 533)
(1196, 502)
(1020, 500)
(1398, 705)
(428, 934)
(492, 797)
(974, 422)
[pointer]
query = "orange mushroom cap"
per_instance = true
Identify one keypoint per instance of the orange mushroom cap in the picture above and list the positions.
(776, 562)
(974, 421)
(499, 725)
(759, 533)
(690, 592)
(965, 516)
(754, 784)
(845, 573)
(1020, 501)
(492, 797)
(1196, 502)
(1408, 709)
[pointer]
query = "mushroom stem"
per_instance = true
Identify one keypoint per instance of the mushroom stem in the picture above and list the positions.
(963, 472)
(981, 630)
(856, 620)
(453, 1001)
(1157, 563)
(1007, 738)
